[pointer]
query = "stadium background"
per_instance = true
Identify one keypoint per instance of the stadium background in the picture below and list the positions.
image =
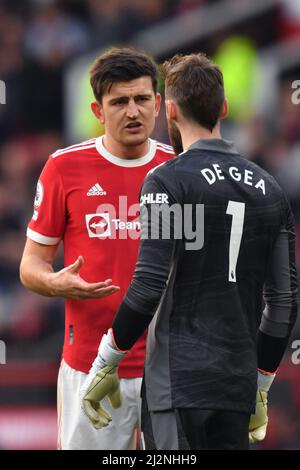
(46, 47)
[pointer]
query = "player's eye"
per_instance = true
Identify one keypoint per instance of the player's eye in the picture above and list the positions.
(119, 102)
(141, 99)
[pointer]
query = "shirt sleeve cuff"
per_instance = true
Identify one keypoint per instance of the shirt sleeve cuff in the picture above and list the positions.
(39, 238)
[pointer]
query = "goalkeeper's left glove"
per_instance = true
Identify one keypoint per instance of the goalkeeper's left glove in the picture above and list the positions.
(259, 421)
(102, 381)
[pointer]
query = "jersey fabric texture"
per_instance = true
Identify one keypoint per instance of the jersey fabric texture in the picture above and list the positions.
(193, 428)
(88, 198)
(204, 295)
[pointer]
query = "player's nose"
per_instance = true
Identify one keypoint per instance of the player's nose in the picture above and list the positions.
(132, 109)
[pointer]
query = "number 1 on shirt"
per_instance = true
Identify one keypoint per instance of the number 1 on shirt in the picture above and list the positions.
(237, 211)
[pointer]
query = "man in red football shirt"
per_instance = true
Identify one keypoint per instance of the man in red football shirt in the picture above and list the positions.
(88, 197)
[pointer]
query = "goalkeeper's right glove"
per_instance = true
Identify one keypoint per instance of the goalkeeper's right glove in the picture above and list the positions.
(102, 381)
(104, 384)
(259, 421)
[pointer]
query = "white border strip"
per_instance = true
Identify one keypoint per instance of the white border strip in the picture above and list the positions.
(168, 147)
(81, 144)
(171, 152)
(37, 237)
(129, 163)
(55, 155)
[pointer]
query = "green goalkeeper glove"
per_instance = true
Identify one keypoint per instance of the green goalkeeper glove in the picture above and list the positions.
(259, 421)
(105, 383)
(102, 381)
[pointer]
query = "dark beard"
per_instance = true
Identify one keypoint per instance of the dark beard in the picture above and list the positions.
(175, 137)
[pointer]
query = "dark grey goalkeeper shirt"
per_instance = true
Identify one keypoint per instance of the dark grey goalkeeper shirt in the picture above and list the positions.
(217, 237)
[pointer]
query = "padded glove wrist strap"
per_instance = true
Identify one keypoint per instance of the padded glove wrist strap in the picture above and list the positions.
(264, 380)
(108, 350)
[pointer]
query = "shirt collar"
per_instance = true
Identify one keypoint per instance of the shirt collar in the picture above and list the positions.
(217, 145)
(134, 162)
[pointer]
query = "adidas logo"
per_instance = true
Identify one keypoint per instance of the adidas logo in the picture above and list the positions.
(96, 190)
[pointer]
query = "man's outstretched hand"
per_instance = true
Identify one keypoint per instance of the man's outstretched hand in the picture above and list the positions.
(69, 284)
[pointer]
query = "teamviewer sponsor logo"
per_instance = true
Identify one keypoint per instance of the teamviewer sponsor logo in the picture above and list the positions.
(98, 225)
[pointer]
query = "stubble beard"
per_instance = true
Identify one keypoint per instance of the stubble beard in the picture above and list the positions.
(175, 137)
(134, 143)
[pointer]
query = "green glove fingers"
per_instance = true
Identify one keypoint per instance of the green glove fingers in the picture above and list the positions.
(96, 414)
(259, 421)
(104, 384)
(115, 398)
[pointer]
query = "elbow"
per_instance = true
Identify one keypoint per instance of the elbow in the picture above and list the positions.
(278, 319)
(145, 296)
(23, 277)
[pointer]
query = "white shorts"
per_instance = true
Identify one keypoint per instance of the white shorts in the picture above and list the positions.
(75, 432)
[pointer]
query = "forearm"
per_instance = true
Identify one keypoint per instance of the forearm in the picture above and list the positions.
(281, 297)
(145, 292)
(270, 351)
(35, 275)
(128, 326)
(153, 269)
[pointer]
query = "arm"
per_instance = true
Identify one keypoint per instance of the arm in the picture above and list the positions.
(36, 265)
(139, 305)
(281, 297)
(278, 318)
(154, 263)
(37, 274)
(45, 230)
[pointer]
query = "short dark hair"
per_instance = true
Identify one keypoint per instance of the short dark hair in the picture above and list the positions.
(196, 84)
(121, 65)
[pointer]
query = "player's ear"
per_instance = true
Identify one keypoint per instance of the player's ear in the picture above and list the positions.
(98, 111)
(157, 103)
(171, 110)
(224, 110)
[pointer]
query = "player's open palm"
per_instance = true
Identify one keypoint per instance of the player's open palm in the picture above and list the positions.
(69, 284)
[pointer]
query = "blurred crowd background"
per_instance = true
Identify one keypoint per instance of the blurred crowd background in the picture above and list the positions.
(46, 47)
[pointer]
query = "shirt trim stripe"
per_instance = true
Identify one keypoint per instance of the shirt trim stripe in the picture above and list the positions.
(171, 152)
(54, 155)
(129, 163)
(82, 144)
(39, 238)
(168, 147)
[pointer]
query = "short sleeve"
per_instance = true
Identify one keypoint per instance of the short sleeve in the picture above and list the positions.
(48, 221)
